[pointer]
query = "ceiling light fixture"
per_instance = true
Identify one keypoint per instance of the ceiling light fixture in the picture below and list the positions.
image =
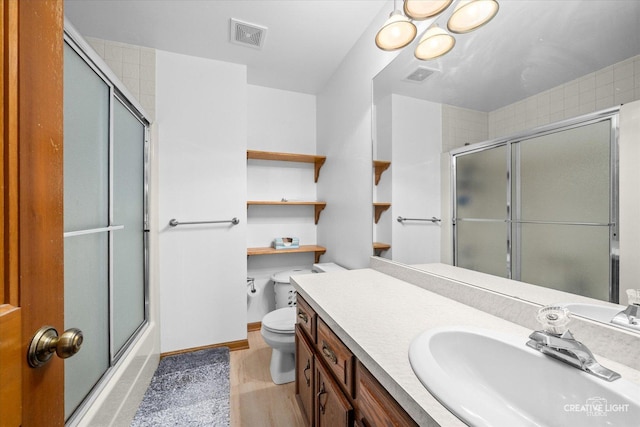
(434, 43)
(420, 10)
(471, 14)
(397, 32)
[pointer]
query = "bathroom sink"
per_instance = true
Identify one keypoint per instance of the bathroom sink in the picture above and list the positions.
(490, 379)
(601, 313)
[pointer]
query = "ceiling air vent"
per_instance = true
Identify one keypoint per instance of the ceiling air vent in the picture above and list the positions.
(420, 74)
(246, 34)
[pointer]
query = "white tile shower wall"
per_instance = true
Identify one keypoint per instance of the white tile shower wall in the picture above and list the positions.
(614, 85)
(462, 126)
(135, 66)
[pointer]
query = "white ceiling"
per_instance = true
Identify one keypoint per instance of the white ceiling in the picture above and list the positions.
(305, 43)
(529, 47)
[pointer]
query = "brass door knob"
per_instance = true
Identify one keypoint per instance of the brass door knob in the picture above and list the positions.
(46, 342)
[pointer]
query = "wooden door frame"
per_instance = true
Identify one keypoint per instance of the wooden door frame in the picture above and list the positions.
(32, 205)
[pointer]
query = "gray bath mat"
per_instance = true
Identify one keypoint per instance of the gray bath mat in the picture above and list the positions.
(190, 389)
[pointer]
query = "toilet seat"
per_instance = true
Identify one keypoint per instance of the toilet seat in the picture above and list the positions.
(280, 321)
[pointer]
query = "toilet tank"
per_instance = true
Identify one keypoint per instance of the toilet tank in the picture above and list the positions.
(284, 291)
(327, 267)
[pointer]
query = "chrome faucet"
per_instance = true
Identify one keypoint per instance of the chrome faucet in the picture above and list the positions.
(558, 342)
(630, 316)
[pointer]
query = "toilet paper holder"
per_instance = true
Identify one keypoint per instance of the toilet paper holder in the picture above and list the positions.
(251, 281)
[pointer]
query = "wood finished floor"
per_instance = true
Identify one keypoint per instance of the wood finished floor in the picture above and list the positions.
(255, 400)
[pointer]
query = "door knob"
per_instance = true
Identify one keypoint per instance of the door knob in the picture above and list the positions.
(46, 342)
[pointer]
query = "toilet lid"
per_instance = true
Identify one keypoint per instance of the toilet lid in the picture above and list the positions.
(285, 276)
(282, 320)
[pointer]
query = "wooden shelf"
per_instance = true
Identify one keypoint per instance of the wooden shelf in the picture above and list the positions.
(379, 247)
(318, 206)
(379, 208)
(318, 250)
(380, 166)
(318, 161)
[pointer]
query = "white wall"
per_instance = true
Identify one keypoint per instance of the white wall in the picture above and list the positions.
(280, 121)
(202, 125)
(344, 136)
(417, 139)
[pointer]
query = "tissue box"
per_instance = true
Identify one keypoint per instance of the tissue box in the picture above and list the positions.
(286, 243)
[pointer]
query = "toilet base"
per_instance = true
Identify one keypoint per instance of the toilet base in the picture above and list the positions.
(282, 367)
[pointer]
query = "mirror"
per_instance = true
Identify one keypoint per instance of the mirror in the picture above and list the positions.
(536, 63)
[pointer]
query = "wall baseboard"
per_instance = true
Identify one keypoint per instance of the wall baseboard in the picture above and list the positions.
(233, 346)
(254, 326)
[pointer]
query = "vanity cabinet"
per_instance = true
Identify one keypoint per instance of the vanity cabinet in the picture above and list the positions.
(340, 391)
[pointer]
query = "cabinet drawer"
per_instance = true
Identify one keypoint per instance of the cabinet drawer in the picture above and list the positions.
(332, 408)
(375, 406)
(336, 355)
(306, 318)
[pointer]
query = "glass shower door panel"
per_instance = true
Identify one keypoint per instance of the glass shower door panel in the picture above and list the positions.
(86, 146)
(128, 243)
(86, 214)
(570, 258)
(482, 246)
(86, 305)
(481, 184)
(565, 176)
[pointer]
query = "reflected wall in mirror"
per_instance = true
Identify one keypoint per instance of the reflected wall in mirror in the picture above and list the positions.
(519, 73)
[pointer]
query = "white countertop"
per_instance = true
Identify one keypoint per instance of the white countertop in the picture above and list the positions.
(377, 316)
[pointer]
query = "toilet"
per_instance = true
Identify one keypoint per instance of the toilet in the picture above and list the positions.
(278, 326)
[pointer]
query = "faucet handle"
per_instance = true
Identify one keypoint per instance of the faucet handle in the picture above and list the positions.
(554, 319)
(633, 296)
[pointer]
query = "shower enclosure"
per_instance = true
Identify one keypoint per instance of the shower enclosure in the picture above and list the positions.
(105, 221)
(542, 208)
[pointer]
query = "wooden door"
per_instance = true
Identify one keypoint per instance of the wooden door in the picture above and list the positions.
(31, 201)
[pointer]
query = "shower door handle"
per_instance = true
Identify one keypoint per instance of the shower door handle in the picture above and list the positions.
(46, 342)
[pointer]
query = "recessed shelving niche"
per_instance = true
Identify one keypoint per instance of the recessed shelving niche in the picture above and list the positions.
(318, 206)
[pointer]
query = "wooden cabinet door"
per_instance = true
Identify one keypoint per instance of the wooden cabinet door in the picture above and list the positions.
(31, 202)
(332, 407)
(375, 406)
(304, 376)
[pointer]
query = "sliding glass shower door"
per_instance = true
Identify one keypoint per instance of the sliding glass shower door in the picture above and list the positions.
(542, 208)
(562, 216)
(104, 223)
